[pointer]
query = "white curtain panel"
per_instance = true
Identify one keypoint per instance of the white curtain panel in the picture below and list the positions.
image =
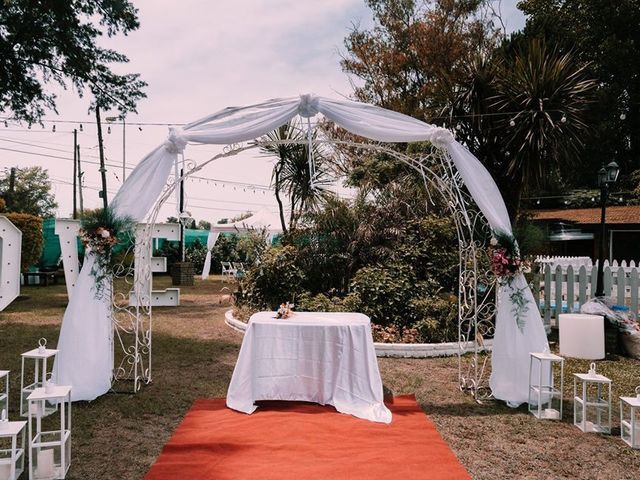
(212, 238)
(509, 379)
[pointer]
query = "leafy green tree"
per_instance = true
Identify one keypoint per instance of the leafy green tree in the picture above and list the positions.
(604, 35)
(28, 190)
(57, 41)
(410, 48)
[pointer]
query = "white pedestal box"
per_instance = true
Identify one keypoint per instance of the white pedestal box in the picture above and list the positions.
(49, 451)
(12, 449)
(581, 336)
(545, 399)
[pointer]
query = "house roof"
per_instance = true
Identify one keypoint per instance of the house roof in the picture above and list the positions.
(588, 216)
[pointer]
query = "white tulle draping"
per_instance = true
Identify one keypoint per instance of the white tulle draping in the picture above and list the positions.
(212, 238)
(511, 347)
(85, 344)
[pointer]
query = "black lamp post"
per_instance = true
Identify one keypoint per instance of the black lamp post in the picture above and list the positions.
(606, 176)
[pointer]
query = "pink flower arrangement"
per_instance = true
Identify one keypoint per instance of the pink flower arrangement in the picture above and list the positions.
(100, 240)
(503, 264)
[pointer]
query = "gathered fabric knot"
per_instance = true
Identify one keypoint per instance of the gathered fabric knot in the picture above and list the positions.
(441, 137)
(309, 105)
(176, 141)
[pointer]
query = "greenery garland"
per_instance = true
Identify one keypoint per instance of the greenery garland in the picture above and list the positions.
(101, 231)
(506, 263)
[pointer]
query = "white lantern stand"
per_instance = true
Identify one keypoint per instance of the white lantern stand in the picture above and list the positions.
(40, 357)
(49, 451)
(4, 393)
(12, 449)
(545, 400)
(592, 405)
(630, 424)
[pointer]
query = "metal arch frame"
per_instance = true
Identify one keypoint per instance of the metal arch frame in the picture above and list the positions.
(476, 286)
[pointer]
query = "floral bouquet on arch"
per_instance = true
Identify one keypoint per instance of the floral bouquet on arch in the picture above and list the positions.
(506, 263)
(101, 230)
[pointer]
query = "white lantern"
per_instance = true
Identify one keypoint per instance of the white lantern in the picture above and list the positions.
(50, 450)
(545, 400)
(630, 423)
(40, 357)
(12, 454)
(592, 403)
(4, 392)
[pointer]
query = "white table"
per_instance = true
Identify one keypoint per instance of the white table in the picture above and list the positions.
(326, 358)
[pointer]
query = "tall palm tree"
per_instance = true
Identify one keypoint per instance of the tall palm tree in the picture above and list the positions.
(292, 174)
(544, 96)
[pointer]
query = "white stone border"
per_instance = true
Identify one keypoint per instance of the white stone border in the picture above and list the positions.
(396, 350)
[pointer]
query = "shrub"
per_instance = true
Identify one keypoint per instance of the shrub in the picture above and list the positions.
(393, 334)
(386, 292)
(324, 303)
(32, 240)
(437, 318)
(196, 253)
(275, 280)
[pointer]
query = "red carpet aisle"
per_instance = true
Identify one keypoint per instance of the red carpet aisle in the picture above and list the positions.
(302, 441)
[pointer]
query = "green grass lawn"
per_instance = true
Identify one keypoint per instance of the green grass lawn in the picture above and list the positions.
(194, 352)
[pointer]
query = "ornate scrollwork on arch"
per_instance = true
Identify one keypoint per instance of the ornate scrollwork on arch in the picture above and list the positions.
(476, 284)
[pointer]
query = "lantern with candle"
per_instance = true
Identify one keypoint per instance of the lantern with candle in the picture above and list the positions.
(49, 450)
(12, 447)
(630, 419)
(545, 399)
(592, 403)
(4, 392)
(40, 357)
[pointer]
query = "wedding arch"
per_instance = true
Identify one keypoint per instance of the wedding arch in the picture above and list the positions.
(486, 309)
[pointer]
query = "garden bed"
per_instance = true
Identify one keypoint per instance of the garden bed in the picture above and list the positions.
(394, 350)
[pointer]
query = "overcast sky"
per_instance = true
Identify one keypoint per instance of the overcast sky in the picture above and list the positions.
(199, 56)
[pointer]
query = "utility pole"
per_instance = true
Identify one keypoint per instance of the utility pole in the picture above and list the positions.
(75, 171)
(103, 170)
(124, 161)
(12, 187)
(80, 174)
(180, 219)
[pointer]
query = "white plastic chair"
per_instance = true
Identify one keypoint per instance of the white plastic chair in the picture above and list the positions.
(228, 271)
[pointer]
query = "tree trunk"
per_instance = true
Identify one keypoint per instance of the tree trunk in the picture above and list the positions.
(278, 199)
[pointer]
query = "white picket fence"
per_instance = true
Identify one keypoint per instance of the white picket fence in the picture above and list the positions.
(564, 289)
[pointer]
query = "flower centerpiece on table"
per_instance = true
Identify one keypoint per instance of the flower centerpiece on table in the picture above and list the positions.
(506, 264)
(101, 230)
(285, 310)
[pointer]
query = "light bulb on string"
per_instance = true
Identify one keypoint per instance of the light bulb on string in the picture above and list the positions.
(564, 118)
(458, 127)
(512, 123)
(538, 202)
(53, 129)
(6, 124)
(623, 116)
(81, 129)
(29, 126)
(42, 125)
(139, 128)
(109, 129)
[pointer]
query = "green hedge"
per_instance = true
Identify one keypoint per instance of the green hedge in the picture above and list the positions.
(32, 240)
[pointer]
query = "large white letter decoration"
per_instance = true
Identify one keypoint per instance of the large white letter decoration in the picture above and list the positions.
(10, 250)
(169, 297)
(67, 230)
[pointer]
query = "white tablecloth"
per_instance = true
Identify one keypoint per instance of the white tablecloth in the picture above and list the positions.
(327, 358)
